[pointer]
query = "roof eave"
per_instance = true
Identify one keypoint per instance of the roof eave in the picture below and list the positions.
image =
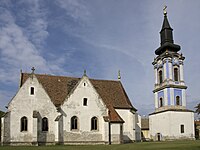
(169, 46)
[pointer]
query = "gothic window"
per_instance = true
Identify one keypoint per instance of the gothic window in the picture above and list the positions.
(160, 76)
(45, 126)
(74, 123)
(94, 123)
(177, 100)
(175, 74)
(182, 128)
(32, 91)
(84, 101)
(24, 124)
(161, 102)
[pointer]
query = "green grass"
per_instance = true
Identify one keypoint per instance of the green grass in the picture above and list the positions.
(174, 145)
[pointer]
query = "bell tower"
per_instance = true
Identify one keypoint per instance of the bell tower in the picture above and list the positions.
(171, 119)
(169, 89)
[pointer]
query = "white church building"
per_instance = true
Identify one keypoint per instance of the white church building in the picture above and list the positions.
(170, 120)
(51, 109)
(66, 110)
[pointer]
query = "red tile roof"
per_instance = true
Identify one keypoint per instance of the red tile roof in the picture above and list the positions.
(59, 87)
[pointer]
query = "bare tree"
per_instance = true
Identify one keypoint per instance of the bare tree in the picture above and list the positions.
(198, 109)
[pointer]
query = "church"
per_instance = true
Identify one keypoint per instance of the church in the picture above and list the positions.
(170, 120)
(50, 109)
(66, 110)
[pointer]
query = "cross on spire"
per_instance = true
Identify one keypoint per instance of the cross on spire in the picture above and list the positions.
(119, 75)
(165, 10)
(84, 72)
(33, 69)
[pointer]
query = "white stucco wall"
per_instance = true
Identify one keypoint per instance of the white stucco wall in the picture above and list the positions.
(168, 125)
(116, 133)
(130, 126)
(73, 106)
(138, 127)
(23, 104)
(2, 130)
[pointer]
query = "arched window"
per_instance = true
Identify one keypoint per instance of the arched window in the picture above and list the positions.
(45, 126)
(74, 123)
(24, 124)
(160, 76)
(161, 102)
(175, 74)
(177, 100)
(94, 123)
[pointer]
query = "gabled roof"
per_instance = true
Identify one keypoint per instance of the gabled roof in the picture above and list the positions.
(59, 87)
(112, 93)
(113, 116)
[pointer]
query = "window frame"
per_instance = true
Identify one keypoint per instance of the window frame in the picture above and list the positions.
(74, 123)
(178, 100)
(24, 124)
(32, 90)
(85, 101)
(161, 102)
(45, 124)
(160, 76)
(182, 128)
(176, 74)
(94, 124)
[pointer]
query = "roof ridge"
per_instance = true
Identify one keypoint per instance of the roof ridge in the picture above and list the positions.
(72, 77)
(53, 75)
(104, 80)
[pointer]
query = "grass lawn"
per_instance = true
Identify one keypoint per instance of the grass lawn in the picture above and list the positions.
(174, 145)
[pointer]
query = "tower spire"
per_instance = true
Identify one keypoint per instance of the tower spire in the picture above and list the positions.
(166, 31)
(166, 36)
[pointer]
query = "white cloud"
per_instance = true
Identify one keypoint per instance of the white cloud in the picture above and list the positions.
(74, 9)
(17, 52)
(16, 49)
(21, 46)
(34, 15)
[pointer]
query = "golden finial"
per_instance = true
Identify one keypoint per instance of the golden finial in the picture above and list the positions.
(119, 75)
(165, 10)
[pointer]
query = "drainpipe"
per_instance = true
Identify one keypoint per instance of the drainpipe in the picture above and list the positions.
(109, 129)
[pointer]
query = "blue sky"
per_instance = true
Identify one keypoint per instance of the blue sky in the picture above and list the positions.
(64, 37)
